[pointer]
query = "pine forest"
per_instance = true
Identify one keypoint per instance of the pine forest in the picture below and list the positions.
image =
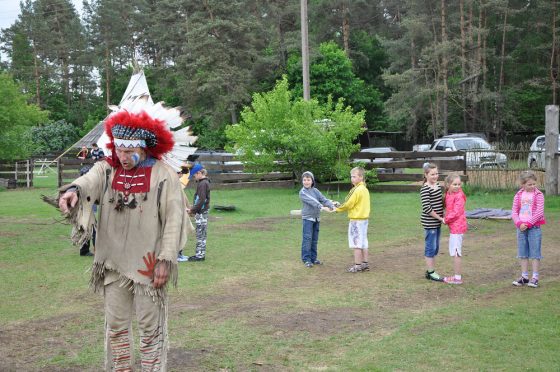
(420, 67)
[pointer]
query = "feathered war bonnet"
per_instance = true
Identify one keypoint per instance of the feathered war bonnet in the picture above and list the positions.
(137, 122)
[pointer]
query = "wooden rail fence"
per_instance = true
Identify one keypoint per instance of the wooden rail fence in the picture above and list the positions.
(226, 172)
(16, 173)
(223, 170)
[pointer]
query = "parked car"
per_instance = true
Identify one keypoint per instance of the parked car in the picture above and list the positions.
(536, 152)
(378, 150)
(474, 147)
(422, 147)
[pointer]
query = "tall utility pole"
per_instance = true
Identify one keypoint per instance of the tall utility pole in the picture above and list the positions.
(305, 51)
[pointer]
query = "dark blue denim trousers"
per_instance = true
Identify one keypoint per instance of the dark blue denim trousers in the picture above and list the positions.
(309, 241)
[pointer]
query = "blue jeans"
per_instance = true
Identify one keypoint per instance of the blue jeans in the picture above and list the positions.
(309, 241)
(431, 238)
(529, 243)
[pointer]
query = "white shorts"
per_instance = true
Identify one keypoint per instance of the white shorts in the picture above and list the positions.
(455, 245)
(357, 234)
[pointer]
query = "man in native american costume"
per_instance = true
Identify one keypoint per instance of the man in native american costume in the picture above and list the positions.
(141, 226)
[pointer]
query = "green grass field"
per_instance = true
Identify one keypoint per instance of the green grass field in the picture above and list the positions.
(253, 306)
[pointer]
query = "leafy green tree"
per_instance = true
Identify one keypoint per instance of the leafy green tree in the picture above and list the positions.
(331, 75)
(52, 137)
(369, 59)
(306, 135)
(16, 117)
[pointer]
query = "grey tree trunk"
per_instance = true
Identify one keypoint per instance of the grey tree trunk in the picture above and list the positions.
(305, 51)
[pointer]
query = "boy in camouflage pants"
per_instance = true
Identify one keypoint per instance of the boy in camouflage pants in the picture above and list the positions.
(199, 209)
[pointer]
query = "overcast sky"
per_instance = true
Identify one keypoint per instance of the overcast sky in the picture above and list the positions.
(9, 11)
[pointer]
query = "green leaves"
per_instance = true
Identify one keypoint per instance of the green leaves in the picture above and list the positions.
(16, 117)
(279, 131)
(331, 75)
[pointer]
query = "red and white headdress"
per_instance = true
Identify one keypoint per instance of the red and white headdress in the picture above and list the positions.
(137, 122)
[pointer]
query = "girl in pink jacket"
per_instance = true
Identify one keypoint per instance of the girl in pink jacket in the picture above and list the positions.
(455, 218)
(527, 213)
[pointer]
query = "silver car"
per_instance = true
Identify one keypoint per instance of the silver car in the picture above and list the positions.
(480, 154)
(536, 153)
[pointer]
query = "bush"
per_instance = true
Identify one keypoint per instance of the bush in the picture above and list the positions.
(302, 135)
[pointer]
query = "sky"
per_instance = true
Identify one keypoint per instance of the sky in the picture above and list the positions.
(9, 11)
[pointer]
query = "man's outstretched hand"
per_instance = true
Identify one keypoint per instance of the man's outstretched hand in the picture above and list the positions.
(67, 200)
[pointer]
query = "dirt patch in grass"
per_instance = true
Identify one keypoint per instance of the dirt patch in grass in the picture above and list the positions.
(258, 224)
(25, 345)
(8, 234)
(179, 359)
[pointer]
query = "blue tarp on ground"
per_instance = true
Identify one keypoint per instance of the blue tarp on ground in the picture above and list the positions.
(491, 213)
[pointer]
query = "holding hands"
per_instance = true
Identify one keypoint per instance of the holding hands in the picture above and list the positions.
(331, 210)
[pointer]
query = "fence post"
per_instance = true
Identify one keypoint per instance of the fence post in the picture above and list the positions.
(59, 172)
(32, 166)
(27, 178)
(551, 147)
(16, 172)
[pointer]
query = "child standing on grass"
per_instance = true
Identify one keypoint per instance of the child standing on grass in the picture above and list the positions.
(358, 206)
(527, 213)
(431, 218)
(455, 218)
(199, 209)
(312, 203)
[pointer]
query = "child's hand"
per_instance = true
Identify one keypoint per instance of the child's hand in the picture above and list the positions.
(522, 227)
(336, 204)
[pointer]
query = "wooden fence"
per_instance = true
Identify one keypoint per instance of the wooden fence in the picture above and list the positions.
(68, 169)
(223, 170)
(397, 161)
(16, 173)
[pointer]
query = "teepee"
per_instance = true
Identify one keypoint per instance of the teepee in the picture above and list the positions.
(136, 91)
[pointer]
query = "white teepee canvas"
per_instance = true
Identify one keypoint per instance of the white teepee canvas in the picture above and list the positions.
(138, 91)
(137, 86)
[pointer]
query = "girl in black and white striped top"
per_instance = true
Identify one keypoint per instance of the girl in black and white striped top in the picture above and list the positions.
(431, 196)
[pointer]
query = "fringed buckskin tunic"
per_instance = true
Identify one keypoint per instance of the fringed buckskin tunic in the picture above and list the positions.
(153, 224)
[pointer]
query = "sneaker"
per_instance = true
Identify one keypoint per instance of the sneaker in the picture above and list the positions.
(365, 267)
(452, 280)
(354, 268)
(317, 262)
(433, 276)
(182, 258)
(521, 281)
(195, 258)
(309, 264)
(534, 283)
